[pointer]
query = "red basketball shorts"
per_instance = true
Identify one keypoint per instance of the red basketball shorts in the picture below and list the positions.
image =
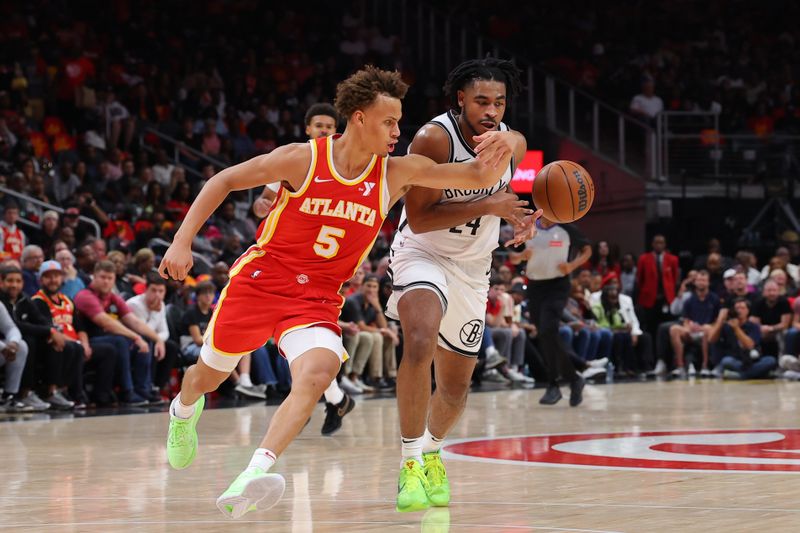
(265, 299)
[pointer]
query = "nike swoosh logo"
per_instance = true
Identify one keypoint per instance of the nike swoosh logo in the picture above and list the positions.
(460, 160)
(318, 180)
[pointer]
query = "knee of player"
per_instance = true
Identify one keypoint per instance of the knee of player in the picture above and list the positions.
(453, 393)
(313, 381)
(205, 379)
(420, 343)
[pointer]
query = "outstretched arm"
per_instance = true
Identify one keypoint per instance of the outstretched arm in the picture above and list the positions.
(288, 162)
(494, 154)
(424, 208)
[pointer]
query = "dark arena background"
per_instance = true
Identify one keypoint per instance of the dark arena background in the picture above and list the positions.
(684, 323)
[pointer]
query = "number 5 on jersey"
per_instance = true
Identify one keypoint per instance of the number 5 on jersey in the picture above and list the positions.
(327, 246)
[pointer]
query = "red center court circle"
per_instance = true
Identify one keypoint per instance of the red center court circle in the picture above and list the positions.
(754, 450)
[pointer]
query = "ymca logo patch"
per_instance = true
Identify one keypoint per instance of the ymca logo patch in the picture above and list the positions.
(470, 333)
(753, 450)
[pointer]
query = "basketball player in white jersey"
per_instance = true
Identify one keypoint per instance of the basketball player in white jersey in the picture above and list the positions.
(320, 119)
(440, 263)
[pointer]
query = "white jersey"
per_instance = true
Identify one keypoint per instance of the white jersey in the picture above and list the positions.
(473, 240)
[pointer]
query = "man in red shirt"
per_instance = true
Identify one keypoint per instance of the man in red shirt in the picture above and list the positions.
(110, 320)
(657, 276)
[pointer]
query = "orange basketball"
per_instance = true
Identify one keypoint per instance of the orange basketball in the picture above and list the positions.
(563, 190)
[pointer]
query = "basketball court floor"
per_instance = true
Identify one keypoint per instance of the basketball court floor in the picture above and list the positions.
(636, 457)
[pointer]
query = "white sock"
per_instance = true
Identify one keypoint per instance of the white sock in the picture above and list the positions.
(263, 459)
(412, 449)
(179, 409)
(333, 394)
(491, 350)
(244, 380)
(431, 443)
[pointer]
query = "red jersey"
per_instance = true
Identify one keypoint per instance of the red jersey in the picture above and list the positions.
(62, 313)
(13, 240)
(312, 241)
(326, 229)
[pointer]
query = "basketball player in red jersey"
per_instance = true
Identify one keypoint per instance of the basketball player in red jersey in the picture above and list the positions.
(320, 119)
(336, 193)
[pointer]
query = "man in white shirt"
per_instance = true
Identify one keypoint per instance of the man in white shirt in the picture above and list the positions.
(647, 105)
(149, 308)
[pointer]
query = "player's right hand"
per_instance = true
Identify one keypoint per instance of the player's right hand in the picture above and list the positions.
(177, 262)
(494, 146)
(505, 204)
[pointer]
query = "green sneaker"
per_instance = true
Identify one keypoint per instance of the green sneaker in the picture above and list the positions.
(412, 488)
(439, 487)
(253, 490)
(182, 437)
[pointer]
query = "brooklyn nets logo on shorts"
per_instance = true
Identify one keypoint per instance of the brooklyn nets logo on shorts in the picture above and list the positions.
(471, 333)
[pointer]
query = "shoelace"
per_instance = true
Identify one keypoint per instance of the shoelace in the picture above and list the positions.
(434, 470)
(180, 435)
(415, 478)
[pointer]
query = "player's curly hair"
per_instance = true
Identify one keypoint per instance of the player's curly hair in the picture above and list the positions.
(362, 88)
(487, 69)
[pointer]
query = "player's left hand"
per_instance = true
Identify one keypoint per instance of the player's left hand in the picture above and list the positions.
(525, 231)
(177, 262)
(494, 146)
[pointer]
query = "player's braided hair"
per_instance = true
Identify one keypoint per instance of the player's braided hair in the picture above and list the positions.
(362, 88)
(487, 69)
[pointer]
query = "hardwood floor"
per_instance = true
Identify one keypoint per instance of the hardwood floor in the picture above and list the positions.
(110, 473)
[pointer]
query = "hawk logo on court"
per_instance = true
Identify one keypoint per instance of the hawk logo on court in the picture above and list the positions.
(754, 450)
(471, 333)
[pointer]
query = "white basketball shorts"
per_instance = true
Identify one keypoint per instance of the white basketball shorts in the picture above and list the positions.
(462, 288)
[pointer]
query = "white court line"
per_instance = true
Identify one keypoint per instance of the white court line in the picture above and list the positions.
(452, 502)
(312, 522)
(688, 471)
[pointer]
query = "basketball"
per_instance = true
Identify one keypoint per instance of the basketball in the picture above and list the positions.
(564, 191)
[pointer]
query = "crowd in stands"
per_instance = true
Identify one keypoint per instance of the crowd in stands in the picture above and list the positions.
(737, 59)
(87, 321)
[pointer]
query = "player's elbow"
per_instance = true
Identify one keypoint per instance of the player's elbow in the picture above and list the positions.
(419, 224)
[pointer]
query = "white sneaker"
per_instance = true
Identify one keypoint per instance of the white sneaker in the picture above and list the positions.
(789, 362)
(349, 387)
(731, 374)
(593, 372)
(793, 375)
(58, 401)
(518, 377)
(705, 373)
(717, 371)
(678, 373)
(34, 401)
(251, 392)
(692, 370)
(494, 376)
(493, 359)
(598, 363)
(363, 386)
(661, 368)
